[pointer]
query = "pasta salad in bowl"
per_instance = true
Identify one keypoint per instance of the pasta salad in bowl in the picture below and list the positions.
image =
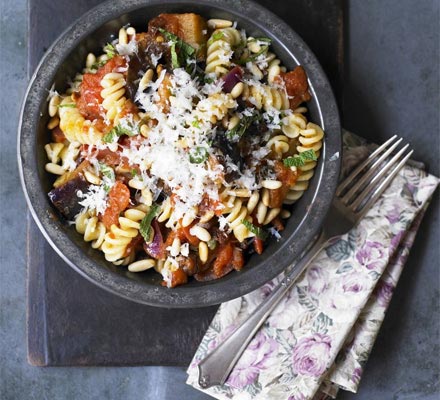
(181, 151)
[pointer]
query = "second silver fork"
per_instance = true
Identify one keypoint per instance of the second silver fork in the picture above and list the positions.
(354, 198)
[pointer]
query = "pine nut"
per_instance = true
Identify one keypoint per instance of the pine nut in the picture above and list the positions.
(54, 169)
(203, 252)
(53, 105)
(237, 90)
(219, 23)
(141, 265)
(53, 123)
(200, 233)
(271, 184)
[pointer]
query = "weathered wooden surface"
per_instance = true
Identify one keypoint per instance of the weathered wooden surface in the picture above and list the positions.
(73, 322)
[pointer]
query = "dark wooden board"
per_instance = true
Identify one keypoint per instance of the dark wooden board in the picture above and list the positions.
(70, 321)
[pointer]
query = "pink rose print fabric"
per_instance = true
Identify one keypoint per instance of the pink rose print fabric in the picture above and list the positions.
(318, 339)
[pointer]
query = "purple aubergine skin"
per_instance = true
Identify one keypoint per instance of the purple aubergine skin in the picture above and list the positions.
(65, 197)
(67, 56)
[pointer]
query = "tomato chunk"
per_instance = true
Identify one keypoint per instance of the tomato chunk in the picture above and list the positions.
(224, 259)
(192, 240)
(296, 86)
(237, 259)
(58, 135)
(89, 102)
(258, 246)
(178, 277)
(287, 178)
(134, 245)
(118, 200)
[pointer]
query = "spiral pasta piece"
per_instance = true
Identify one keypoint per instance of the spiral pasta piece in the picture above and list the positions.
(220, 50)
(215, 107)
(237, 213)
(279, 145)
(113, 94)
(266, 97)
(119, 237)
(310, 138)
(75, 127)
(293, 124)
(91, 228)
(61, 157)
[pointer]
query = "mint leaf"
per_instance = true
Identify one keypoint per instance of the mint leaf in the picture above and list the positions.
(145, 225)
(110, 50)
(299, 160)
(215, 36)
(174, 56)
(256, 230)
(118, 131)
(253, 57)
(262, 39)
(240, 129)
(309, 155)
(180, 50)
(68, 105)
(208, 79)
(185, 48)
(196, 123)
(108, 173)
(198, 155)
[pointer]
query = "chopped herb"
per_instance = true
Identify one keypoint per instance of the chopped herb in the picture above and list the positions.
(110, 50)
(212, 244)
(262, 39)
(198, 155)
(108, 173)
(253, 57)
(133, 172)
(215, 36)
(263, 50)
(300, 159)
(145, 225)
(174, 56)
(256, 230)
(98, 64)
(180, 50)
(69, 105)
(208, 79)
(240, 129)
(118, 131)
(196, 123)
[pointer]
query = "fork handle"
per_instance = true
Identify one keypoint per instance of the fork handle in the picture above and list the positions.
(215, 368)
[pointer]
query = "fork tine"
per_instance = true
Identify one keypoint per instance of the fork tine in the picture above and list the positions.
(371, 186)
(349, 179)
(374, 170)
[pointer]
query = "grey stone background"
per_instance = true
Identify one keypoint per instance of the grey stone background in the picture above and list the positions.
(392, 86)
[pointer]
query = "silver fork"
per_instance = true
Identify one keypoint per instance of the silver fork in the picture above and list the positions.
(354, 198)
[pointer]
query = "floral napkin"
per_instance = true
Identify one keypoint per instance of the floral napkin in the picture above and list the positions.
(318, 339)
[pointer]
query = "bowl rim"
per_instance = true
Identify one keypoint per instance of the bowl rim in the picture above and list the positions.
(129, 288)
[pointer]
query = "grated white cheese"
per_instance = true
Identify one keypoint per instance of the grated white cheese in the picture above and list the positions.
(184, 249)
(275, 233)
(222, 222)
(155, 59)
(127, 49)
(94, 199)
(272, 117)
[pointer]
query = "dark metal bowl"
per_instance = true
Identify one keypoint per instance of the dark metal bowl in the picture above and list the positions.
(67, 56)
